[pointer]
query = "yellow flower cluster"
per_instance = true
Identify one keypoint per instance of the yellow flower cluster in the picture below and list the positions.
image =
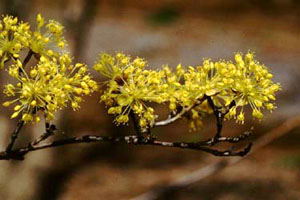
(245, 82)
(130, 87)
(253, 85)
(45, 40)
(47, 37)
(49, 86)
(54, 82)
(13, 37)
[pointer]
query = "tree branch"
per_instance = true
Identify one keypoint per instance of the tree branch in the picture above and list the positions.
(215, 140)
(219, 123)
(138, 139)
(219, 116)
(135, 123)
(49, 130)
(18, 154)
(28, 57)
(26, 60)
(14, 135)
(173, 119)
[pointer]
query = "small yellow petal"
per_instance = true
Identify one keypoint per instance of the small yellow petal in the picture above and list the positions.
(33, 103)
(17, 107)
(6, 103)
(14, 115)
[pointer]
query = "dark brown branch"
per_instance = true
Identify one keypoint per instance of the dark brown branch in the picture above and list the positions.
(26, 60)
(216, 140)
(14, 135)
(135, 123)
(220, 119)
(49, 130)
(18, 154)
(219, 116)
(28, 57)
(200, 147)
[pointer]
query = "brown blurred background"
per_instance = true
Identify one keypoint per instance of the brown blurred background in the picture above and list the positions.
(165, 31)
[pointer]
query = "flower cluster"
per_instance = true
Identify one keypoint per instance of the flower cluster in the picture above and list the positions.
(45, 40)
(130, 87)
(14, 37)
(47, 37)
(49, 86)
(252, 84)
(54, 82)
(245, 82)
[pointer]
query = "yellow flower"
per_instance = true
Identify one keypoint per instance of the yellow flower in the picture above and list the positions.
(241, 117)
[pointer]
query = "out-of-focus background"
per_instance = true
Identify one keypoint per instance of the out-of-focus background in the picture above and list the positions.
(162, 32)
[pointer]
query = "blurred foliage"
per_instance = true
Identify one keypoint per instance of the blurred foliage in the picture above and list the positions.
(164, 16)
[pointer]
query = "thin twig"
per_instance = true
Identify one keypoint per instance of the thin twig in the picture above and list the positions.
(14, 136)
(26, 60)
(219, 116)
(173, 119)
(135, 122)
(28, 57)
(215, 140)
(219, 123)
(180, 114)
(49, 130)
